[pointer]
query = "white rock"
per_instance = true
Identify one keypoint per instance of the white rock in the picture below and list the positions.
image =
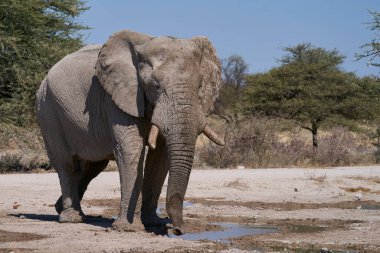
(358, 196)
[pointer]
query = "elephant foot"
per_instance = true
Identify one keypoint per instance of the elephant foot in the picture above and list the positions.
(59, 205)
(71, 215)
(178, 231)
(154, 220)
(123, 224)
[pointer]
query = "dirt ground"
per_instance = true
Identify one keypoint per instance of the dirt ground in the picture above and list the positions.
(333, 208)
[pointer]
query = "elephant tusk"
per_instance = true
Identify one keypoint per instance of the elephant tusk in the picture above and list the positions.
(213, 136)
(153, 136)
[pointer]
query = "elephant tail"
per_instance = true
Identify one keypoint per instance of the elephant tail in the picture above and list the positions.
(41, 95)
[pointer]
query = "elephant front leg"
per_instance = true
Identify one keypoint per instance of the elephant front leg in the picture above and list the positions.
(129, 153)
(156, 169)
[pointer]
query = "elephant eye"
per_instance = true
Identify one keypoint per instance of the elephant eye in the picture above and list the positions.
(141, 57)
(144, 60)
(155, 83)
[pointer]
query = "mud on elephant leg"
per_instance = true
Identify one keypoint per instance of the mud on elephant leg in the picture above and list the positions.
(156, 169)
(89, 170)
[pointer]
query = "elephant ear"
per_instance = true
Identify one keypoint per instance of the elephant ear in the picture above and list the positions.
(210, 70)
(116, 70)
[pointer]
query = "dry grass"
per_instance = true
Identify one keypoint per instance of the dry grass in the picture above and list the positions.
(264, 142)
(313, 175)
(237, 184)
(257, 142)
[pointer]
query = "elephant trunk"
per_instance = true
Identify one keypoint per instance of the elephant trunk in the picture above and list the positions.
(180, 139)
(179, 122)
(180, 164)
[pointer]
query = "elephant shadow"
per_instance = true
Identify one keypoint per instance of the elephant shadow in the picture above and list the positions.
(158, 230)
(98, 221)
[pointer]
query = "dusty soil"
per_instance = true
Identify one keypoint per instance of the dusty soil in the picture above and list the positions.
(334, 208)
(7, 236)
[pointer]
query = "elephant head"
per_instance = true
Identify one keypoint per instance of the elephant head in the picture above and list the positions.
(173, 82)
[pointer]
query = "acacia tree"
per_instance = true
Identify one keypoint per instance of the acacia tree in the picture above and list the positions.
(234, 72)
(308, 87)
(372, 49)
(34, 35)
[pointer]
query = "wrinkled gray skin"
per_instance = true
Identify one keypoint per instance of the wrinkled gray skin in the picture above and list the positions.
(99, 104)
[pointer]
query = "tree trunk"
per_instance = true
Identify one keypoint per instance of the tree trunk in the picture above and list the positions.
(314, 131)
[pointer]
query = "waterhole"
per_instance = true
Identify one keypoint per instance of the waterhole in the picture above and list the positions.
(230, 230)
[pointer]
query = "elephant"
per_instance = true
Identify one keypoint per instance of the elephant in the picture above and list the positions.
(111, 101)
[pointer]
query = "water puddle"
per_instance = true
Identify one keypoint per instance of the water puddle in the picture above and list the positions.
(230, 230)
(187, 203)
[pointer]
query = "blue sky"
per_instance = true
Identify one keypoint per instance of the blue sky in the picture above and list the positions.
(257, 30)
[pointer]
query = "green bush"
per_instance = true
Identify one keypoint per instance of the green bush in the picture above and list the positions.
(34, 35)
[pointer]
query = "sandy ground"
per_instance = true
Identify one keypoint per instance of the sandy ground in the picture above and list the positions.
(312, 209)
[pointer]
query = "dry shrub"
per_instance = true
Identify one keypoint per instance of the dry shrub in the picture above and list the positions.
(11, 163)
(252, 143)
(313, 175)
(342, 148)
(21, 149)
(256, 143)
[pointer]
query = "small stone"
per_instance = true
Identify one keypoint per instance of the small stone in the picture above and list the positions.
(295, 189)
(358, 196)
(22, 217)
(108, 229)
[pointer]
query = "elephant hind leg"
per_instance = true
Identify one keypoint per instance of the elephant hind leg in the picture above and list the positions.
(69, 173)
(62, 161)
(89, 170)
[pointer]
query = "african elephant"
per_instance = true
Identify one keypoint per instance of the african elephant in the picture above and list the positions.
(108, 102)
